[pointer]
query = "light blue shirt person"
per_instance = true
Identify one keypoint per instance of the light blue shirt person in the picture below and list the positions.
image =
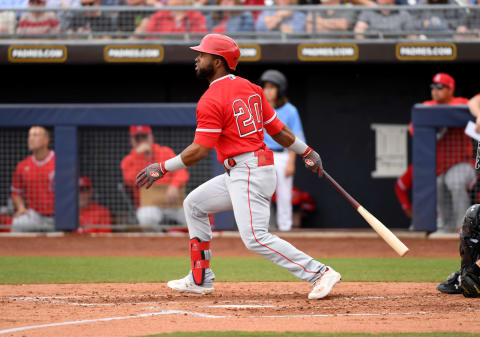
(288, 114)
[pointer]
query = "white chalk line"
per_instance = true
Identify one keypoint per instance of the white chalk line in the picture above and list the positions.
(198, 314)
(239, 306)
(106, 319)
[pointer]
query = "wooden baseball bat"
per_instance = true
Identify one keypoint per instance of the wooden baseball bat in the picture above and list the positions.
(379, 227)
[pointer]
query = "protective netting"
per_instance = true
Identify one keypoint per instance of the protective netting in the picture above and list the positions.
(457, 186)
(111, 157)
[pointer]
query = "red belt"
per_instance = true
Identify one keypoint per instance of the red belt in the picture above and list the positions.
(264, 157)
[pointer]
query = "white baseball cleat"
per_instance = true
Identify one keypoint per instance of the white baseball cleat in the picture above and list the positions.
(187, 285)
(324, 284)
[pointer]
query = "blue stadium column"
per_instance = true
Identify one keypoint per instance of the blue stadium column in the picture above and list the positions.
(424, 179)
(66, 178)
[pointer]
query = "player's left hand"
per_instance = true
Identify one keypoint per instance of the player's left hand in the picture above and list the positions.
(313, 161)
(150, 174)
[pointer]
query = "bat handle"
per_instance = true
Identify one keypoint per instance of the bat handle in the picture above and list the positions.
(340, 189)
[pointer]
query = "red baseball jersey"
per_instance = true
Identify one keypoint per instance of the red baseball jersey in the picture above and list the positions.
(34, 181)
(231, 117)
(94, 214)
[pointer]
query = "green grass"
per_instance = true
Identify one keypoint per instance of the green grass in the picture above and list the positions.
(27, 270)
(308, 334)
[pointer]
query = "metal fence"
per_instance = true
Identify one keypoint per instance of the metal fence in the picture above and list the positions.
(180, 24)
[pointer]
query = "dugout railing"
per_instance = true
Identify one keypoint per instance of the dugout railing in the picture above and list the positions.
(100, 129)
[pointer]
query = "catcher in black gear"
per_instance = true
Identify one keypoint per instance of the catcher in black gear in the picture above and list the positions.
(466, 280)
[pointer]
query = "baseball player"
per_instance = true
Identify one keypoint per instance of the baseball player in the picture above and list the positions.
(32, 189)
(145, 151)
(274, 85)
(455, 170)
(90, 211)
(466, 280)
(231, 117)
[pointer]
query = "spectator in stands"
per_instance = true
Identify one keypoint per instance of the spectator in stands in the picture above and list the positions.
(38, 23)
(88, 22)
(330, 20)
(64, 16)
(33, 193)
(455, 172)
(284, 21)
(177, 21)
(382, 21)
(232, 22)
(91, 212)
(439, 21)
(8, 23)
(133, 21)
(274, 85)
(474, 106)
(164, 200)
(471, 23)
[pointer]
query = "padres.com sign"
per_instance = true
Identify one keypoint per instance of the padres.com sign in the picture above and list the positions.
(327, 52)
(133, 53)
(34, 54)
(426, 51)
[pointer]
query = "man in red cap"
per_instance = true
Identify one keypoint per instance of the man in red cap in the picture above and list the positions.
(163, 202)
(91, 212)
(455, 173)
(232, 116)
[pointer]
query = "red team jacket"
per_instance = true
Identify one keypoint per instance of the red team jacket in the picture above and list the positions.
(453, 147)
(134, 162)
(34, 181)
(232, 115)
(94, 214)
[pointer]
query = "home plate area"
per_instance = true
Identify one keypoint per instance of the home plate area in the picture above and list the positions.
(142, 309)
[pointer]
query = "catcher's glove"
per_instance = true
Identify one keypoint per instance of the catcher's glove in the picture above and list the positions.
(471, 281)
(150, 174)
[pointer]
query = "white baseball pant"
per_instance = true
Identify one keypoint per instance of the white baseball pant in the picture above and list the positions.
(33, 222)
(284, 192)
(153, 216)
(452, 196)
(247, 189)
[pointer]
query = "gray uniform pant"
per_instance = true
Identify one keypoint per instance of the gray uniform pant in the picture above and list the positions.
(247, 190)
(452, 195)
(33, 222)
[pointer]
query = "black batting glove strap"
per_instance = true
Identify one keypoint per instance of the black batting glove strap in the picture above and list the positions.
(150, 174)
(313, 162)
(471, 281)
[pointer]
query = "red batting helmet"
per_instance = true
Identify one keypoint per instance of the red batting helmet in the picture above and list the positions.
(221, 45)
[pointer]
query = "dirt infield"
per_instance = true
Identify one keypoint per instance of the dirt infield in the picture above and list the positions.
(140, 309)
(79, 245)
